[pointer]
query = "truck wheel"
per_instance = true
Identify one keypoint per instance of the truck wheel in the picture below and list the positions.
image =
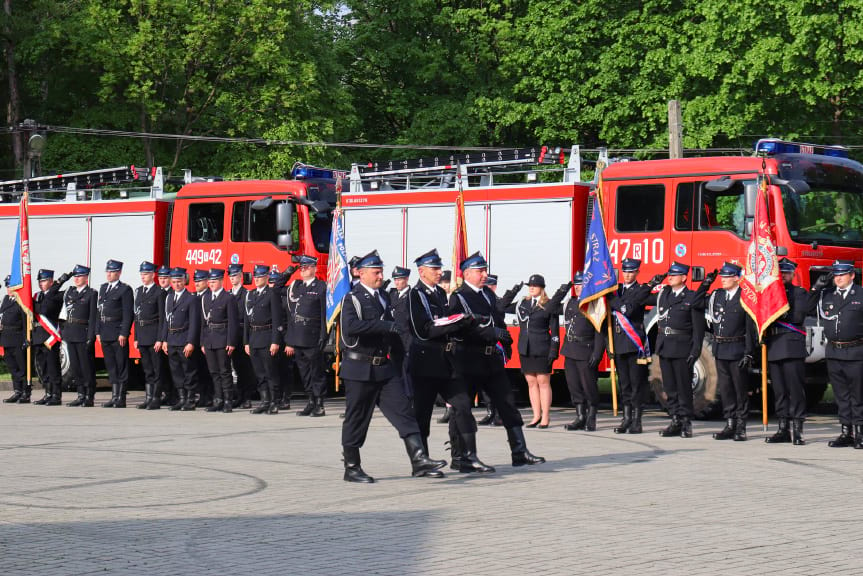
(705, 393)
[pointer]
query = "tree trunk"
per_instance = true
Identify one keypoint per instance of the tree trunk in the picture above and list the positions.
(13, 110)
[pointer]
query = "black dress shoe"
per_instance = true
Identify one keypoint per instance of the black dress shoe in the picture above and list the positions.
(543, 426)
(308, 408)
(319, 409)
(13, 399)
(247, 404)
(54, 401)
(446, 416)
(533, 424)
(216, 407)
(79, 401)
(228, 408)
(24, 399)
(42, 401)
(845, 439)
(261, 408)
(110, 403)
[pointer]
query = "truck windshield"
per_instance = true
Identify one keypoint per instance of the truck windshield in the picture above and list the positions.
(827, 216)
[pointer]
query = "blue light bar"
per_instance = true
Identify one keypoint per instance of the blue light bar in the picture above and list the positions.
(303, 172)
(773, 146)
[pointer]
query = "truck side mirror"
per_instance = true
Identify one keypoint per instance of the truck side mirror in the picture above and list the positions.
(750, 193)
(284, 225)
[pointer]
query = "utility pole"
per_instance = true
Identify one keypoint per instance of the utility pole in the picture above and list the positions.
(675, 130)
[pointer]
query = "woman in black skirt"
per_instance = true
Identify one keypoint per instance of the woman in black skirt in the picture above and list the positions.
(539, 345)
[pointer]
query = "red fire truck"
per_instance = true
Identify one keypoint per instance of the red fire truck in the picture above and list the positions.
(527, 211)
(125, 213)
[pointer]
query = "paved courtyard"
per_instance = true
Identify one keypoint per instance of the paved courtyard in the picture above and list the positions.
(94, 491)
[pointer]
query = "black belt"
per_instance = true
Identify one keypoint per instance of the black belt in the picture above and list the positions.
(580, 338)
(178, 330)
(10, 330)
(373, 360)
(674, 332)
(303, 319)
(727, 339)
(447, 346)
(260, 327)
(147, 322)
(216, 325)
(77, 321)
(484, 350)
(775, 330)
(111, 319)
(840, 344)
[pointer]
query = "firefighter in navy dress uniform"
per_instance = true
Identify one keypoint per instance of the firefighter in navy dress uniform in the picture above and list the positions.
(430, 362)
(367, 333)
(539, 344)
(181, 332)
(680, 313)
(205, 388)
(12, 334)
(840, 309)
(478, 360)
(242, 365)
(733, 349)
(79, 333)
(583, 347)
(149, 309)
(168, 394)
(262, 337)
(116, 310)
(631, 349)
(786, 357)
(398, 295)
(219, 335)
(47, 303)
(306, 333)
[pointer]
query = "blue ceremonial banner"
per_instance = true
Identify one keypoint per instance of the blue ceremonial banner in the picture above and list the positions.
(338, 275)
(600, 277)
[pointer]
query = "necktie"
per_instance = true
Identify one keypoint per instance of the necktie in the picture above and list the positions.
(843, 292)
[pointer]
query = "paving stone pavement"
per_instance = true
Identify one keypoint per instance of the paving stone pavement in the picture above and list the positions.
(94, 491)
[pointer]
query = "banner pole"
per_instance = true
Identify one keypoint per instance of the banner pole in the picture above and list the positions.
(613, 368)
(29, 356)
(764, 387)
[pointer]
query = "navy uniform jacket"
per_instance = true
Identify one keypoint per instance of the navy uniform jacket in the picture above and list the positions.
(630, 302)
(539, 327)
(401, 315)
(81, 315)
(306, 314)
(683, 313)
(784, 343)
(843, 323)
(483, 335)
(581, 341)
(182, 320)
(240, 298)
(219, 326)
(732, 327)
(115, 312)
(11, 323)
(149, 309)
(262, 318)
(48, 305)
(367, 329)
(428, 343)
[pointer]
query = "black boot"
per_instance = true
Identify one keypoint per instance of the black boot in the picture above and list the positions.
(155, 402)
(319, 407)
(88, 400)
(685, 427)
(121, 396)
(353, 471)
(217, 406)
(191, 402)
(110, 403)
(25, 398)
(590, 420)
(228, 405)
(740, 430)
(520, 454)
(56, 397)
(79, 401)
(446, 415)
(44, 399)
(274, 404)
(182, 397)
(148, 397)
(580, 421)
(626, 422)
(308, 408)
(285, 401)
(635, 427)
(858, 436)
(673, 429)
(469, 461)
(13, 399)
(846, 438)
(455, 450)
(264, 406)
(797, 432)
(726, 433)
(488, 419)
(782, 436)
(421, 464)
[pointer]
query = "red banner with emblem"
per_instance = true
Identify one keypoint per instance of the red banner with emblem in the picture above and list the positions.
(459, 247)
(762, 293)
